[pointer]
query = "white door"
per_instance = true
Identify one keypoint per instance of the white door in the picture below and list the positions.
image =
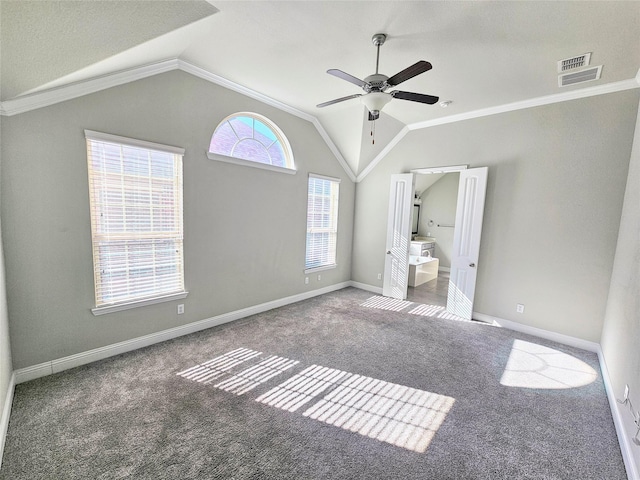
(466, 241)
(396, 264)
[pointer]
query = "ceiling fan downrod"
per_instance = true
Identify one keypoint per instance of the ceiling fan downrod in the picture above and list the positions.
(378, 40)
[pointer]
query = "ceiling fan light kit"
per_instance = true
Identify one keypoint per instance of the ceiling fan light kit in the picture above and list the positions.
(374, 101)
(375, 86)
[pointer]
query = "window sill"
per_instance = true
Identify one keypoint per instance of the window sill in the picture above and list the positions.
(320, 269)
(249, 163)
(138, 303)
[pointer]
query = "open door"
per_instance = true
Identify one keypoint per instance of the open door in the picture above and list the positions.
(396, 264)
(466, 241)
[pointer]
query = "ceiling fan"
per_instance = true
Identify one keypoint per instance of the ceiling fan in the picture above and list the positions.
(375, 86)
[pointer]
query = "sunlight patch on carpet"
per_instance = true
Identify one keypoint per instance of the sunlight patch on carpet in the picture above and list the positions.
(384, 303)
(436, 311)
(302, 388)
(535, 366)
(215, 368)
(256, 375)
(399, 415)
(402, 416)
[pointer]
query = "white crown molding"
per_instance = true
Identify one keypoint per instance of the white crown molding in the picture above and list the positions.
(46, 98)
(533, 102)
(508, 107)
(383, 153)
(223, 82)
(334, 149)
(236, 87)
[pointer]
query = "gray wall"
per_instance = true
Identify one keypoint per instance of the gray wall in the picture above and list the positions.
(621, 332)
(439, 203)
(6, 367)
(245, 228)
(557, 176)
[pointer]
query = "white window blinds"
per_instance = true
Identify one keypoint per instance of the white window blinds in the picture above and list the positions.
(135, 190)
(322, 222)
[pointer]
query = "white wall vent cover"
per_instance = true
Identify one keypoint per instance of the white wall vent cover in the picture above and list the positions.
(582, 76)
(578, 61)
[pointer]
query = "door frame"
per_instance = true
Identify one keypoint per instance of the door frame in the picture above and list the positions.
(426, 170)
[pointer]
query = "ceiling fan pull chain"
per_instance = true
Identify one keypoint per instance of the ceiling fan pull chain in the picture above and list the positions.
(373, 132)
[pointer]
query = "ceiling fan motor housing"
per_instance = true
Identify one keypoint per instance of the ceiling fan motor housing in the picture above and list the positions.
(376, 83)
(375, 86)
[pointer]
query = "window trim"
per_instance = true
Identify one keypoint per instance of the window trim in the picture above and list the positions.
(279, 134)
(132, 142)
(249, 163)
(335, 264)
(106, 308)
(143, 302)
(324, 267)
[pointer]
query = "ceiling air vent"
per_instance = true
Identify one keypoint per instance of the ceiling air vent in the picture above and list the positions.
(572, 63)
(582, 76)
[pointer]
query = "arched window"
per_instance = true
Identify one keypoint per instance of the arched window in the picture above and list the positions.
(253, 140)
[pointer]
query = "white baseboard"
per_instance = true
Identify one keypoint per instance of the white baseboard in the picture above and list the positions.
(48, 368)
(367, 287)
(633, 470)
(71, 361)
(539, 332)
(6, 413)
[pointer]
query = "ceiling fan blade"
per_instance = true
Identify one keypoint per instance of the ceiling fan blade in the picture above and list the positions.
(341, 99)
(373, 117)
(415, 97)
(349, 78)
(409, 72)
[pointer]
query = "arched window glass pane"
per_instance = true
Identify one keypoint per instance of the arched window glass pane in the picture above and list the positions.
(252, 137)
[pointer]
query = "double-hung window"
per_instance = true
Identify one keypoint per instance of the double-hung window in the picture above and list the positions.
(322, 223)
(135, 191)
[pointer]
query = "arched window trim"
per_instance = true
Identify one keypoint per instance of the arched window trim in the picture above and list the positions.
(281, 138)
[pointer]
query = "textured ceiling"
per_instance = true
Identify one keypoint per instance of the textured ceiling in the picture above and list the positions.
(45, 40)
(484, 54)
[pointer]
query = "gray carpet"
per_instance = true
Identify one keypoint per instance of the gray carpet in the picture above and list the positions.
(323, 389)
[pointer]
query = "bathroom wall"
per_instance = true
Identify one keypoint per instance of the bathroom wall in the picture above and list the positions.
(244, 228)
(439, 205)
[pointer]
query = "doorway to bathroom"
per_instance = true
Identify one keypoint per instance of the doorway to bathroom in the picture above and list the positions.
(434, 214)
(405, 266)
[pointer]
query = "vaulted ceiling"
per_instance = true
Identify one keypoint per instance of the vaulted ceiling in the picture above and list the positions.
(484, 54)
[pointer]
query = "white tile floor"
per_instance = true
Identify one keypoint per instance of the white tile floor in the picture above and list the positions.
(431, 293)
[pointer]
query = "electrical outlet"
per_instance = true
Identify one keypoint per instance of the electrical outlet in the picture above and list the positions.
(181, 309)
(319, 277)
(626, 392)
(306, 280)
(519, 308)
(379, 276)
